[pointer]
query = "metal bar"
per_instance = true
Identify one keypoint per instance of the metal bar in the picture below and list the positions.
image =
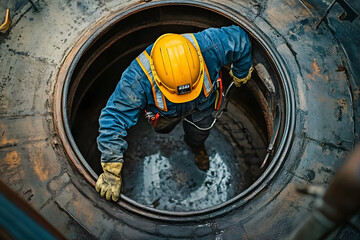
(349, 13)
(33, 4)
(326, 13)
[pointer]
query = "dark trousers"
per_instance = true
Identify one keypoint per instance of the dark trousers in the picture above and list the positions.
(193, 136)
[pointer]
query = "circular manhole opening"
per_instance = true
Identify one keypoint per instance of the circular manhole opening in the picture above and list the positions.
(159, 174)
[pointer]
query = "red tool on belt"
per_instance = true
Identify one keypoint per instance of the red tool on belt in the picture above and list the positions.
(152, 117)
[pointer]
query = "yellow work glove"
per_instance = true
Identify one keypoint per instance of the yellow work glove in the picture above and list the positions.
(109, 182)
(239, 82)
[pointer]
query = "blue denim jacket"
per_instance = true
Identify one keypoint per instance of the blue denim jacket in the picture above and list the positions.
(219, 46)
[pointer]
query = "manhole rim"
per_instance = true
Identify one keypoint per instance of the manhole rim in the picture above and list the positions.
(72, 151)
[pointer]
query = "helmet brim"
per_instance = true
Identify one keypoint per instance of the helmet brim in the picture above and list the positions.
(187, 97)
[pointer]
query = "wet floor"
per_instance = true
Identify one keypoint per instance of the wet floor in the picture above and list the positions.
(160, 171)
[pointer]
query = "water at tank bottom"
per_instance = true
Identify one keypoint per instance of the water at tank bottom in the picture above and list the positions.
(160, 171)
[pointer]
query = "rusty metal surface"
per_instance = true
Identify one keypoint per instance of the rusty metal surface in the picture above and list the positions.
(34, 160)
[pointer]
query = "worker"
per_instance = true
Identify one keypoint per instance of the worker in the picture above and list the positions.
(173, 79)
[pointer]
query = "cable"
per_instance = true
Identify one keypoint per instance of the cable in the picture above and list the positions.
(218, 113)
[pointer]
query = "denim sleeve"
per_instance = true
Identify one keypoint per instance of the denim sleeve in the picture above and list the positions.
(121, 112)
(231, 45)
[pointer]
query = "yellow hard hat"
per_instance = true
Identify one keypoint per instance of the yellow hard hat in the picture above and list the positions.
(177, 67)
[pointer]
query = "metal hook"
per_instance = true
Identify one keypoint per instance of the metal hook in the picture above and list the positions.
(349, 13)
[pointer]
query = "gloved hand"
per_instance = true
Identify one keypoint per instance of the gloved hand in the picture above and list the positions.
(239, 82)
(109, 182)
